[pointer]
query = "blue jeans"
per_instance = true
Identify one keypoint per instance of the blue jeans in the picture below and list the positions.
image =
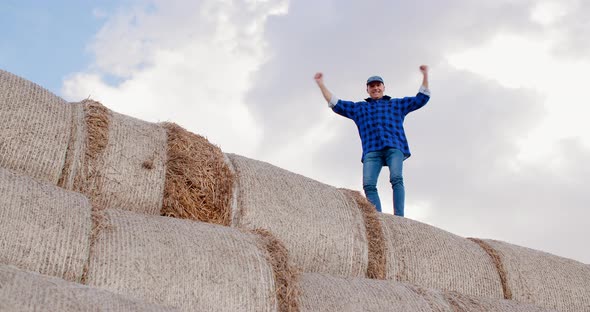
(372, 164)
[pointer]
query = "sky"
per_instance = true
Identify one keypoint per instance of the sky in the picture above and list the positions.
(499, 152)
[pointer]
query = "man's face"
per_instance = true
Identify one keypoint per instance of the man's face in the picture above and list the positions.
(375, 90)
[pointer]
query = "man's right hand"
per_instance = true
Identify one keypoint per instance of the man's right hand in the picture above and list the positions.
(319, 78)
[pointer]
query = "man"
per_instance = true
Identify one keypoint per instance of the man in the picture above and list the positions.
(379, 120)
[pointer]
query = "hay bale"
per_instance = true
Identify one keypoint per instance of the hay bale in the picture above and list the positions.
(430, 257)
(322, 292)
(34, 129)
(321, 227)
(464, 303)
(191, 265)
(544, 279)
(43, 228)
(28, 291)
(126, 168)
(198, 181)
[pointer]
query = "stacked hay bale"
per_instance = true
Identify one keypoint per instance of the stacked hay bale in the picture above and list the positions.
(192, 265)
(299, 211)
(541, 278)
(322, 292)
(180, 263)
(42, 227)
(116, 160)
(399, 249)
(143, 262)
(34, 128)
(24, 291)
(424, 255)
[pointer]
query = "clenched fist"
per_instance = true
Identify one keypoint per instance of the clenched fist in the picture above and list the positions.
(424, 69)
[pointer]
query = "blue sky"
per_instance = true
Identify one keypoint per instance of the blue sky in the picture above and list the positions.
(44, 41)
(499, 152)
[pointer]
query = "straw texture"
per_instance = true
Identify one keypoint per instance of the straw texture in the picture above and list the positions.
(322, 228)
(198, 181)
(544, 279)
(34, 128)
(498, 263)
(132, 166)
(191, 265)
(430, 257)
(377, 264)
(329, 293)
(43, 228)
(28, 291)
(285, 274)
(89, 179)
(463, 303)
(75, 154)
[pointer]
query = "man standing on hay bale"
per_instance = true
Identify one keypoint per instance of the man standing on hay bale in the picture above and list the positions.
(379, 119)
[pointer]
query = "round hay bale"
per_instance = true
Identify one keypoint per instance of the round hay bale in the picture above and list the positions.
(28, 291)
(322, 292)
(322, 228)
(544, 279)
(463, 303)
(198, 181)
(191, 265)
(43, 228)
(424, 255)
(126, 169)
(34, 128)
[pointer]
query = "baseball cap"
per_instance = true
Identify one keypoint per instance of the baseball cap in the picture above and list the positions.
(374, 79)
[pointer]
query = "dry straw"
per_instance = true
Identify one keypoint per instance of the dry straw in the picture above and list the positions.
(34, 129)
(43, 228)
(430, 257)
(25, 291)
(322, 228)
(377, 263)
(198, 182)
(286, 275)
(544, 279)
(90, 180)
(191, 265)
(498, 263)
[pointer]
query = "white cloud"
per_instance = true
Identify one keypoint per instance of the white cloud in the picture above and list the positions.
(517, 61)
(190, 63)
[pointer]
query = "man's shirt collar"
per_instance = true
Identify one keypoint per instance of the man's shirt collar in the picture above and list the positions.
(385, 97)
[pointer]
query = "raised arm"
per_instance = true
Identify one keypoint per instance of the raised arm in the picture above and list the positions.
(410, 104)
(424, 70)
(319, 79)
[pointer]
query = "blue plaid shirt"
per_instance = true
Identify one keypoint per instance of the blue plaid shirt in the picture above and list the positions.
(381, 122)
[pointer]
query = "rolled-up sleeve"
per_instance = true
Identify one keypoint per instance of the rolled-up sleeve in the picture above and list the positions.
(342, 108)
(424, 90)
